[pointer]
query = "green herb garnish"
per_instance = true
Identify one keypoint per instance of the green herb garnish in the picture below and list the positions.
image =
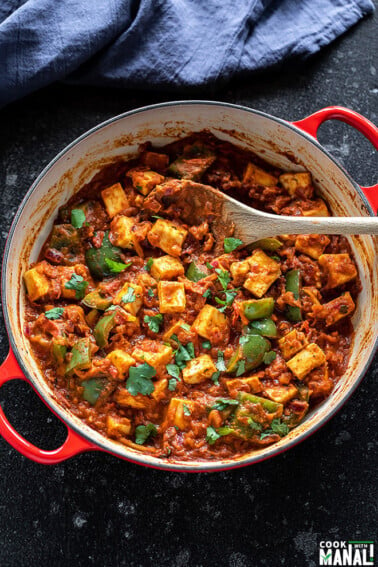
(78, 284)
(224, 403)
(143, 432)
(54, 313)
(231, 244)
(139, 381)
(116, 267)
(154, 322)
(129, 296)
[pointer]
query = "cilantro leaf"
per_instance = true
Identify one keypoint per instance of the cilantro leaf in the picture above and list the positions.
(143, 432)
(172, 383)
(77, 218)
(269, 357)
(78, 284)
(149, 263)
(254, 425)
(208, 265)
(213, 434)
(207, 294)
(150, 293)
(215, 377)
(279, 427)
(116, 267)
(240, 368)
(223, 403)
(139, 380)
(223, 277)
(154, 322)
(220, 362)
(54, 313)
(183, 353)
(206, 344)
(231, 244)
(173, 370)
(186, 409)
(228, 300)
(129, 296)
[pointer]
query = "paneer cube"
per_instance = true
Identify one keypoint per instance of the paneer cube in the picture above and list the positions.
(210, 322)
(118, 426)
(336, 309)
(123, 235)
(172, 298)
(168, 236)
(166, 268)
(130, 297)
(339, 269)
(252, 385)
(306, 360)
(312, 244)
(263, 273)
(127, 400)
(37, 284)
(122, 361)
(157, 354)
(281, 394)
(259, 176)
(316, 208)
(145, 180)
(160, 390)
(115, 199)
(292, 343)
(239, 271)
(199, 369)
(297, 184)
(180, 329)
(179, 413)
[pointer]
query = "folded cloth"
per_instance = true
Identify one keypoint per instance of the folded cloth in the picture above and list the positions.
(159, 43)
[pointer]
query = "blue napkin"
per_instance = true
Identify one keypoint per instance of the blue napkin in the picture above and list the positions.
(159, 43)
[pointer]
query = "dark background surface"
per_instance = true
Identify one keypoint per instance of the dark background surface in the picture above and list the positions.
(97, 510)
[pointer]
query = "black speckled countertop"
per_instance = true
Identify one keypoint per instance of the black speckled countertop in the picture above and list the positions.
(98, 510)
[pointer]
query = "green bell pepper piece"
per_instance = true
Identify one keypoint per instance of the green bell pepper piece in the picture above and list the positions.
(95, 258)
(92, 389)
(268, 244)
(268, 405)
(258, 308)
(59, 352)
(251, 351)
(103, 328)
(264, 327)
(81, 356)
(194, 273)
(96, 300)
(249, 422)
(293, 284)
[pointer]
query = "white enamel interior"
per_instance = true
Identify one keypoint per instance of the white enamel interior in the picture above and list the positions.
(272, 139)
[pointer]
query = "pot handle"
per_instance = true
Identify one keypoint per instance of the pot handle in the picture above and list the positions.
(368, 129)
(73, 444)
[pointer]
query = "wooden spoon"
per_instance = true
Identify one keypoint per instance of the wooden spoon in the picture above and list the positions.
(249, 224)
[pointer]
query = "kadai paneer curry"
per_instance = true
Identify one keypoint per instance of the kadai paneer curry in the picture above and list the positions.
(182, 347)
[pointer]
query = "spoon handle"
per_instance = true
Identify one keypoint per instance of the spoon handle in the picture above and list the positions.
(250, 227)
(323, 225)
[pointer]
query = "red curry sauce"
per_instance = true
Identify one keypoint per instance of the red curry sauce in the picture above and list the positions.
(153, 339)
